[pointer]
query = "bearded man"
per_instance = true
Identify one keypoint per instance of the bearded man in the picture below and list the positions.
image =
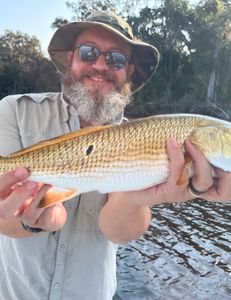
(68, 251)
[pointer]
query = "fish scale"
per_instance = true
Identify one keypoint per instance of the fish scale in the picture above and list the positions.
(125, 157)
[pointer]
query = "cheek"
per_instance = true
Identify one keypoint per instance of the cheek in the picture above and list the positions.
(76, 69)
(122, 76)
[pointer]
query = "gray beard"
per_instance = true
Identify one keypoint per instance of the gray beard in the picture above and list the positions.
(98, 110)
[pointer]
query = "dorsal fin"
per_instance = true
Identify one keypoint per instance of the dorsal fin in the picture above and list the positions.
(61, 138)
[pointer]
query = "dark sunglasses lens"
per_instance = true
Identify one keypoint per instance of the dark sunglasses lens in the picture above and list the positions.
(88, 53)
(116, 59)
(91, 54)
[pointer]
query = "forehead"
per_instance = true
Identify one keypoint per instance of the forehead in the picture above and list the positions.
(103, 38)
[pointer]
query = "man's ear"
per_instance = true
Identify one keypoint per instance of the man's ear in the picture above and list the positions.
(131, 70)
(70, 56)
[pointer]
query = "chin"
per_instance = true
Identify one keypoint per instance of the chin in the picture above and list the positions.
(99, 93)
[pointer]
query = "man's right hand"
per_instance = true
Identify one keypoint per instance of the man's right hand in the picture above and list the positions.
(19, 199)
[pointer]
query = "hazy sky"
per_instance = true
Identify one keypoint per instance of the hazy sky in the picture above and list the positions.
(33, 17)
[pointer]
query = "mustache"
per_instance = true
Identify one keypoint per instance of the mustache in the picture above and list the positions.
(94, 73)
(68, 80)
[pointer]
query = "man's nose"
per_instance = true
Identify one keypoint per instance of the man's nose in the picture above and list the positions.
(100, 63)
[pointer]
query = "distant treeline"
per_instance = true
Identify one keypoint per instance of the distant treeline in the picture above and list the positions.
(194, 43)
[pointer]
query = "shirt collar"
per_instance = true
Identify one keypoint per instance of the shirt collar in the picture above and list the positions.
(40, 97)
(65, 108)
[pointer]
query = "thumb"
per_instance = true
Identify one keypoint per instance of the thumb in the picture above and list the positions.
(53, 218)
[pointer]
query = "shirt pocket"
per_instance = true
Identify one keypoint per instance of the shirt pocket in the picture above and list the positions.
(93, 203)
(87, 212)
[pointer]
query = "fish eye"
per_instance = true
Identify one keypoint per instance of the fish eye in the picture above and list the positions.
(89, 149)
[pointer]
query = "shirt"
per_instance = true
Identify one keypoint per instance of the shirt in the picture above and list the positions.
(76, 262)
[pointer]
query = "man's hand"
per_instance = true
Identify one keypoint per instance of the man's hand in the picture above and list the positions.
(125, 215)
(19, 199)
(214, 189)
(171, 191)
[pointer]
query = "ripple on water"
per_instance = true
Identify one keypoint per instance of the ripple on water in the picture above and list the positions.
(185, 254)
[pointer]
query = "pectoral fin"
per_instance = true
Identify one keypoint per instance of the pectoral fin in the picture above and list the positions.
(185, 171)
(55, 196)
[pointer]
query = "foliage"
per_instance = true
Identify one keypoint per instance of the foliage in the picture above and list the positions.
(23, 68)
(194, 42)
(188, 39)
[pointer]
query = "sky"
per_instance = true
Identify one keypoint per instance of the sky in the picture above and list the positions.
(33, 17)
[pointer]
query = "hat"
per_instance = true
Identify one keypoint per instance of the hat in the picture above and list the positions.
(145, 57)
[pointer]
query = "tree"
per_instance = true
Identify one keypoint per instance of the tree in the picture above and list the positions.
(194, 43)
(195, 50)
(23, 68)
(211, 44)
(166, 28)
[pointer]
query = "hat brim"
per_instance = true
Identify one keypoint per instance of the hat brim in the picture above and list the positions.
(145, 57)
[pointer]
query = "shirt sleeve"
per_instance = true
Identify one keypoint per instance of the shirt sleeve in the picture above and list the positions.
(9, 131)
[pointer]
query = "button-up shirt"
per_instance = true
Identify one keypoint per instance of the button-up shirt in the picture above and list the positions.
(76, 262)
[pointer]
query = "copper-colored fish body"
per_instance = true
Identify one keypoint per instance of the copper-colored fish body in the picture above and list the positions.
(123, 157)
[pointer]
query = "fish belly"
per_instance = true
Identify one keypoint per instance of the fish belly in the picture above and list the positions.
(108, 180)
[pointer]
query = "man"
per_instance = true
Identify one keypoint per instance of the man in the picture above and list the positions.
(68, 251)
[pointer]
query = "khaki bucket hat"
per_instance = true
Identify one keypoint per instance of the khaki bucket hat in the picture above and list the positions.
(145, 57)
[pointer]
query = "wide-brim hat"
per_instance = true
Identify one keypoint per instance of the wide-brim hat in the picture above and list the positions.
(145, 57)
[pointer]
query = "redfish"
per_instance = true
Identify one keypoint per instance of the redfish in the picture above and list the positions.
(126, 157)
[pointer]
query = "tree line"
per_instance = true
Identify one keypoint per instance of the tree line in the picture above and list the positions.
(194, 74)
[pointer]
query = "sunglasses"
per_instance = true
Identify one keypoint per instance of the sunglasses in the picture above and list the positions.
(114, 59)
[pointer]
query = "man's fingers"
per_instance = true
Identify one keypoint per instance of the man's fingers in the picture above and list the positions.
(12, 177)
(176, 158)
(221, 189)
(30, 211)
(42, 190)
(53, 218)
(10, 205)
(202, 179)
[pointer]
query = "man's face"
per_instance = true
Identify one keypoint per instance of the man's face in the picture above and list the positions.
(97, 76)
(99, 92)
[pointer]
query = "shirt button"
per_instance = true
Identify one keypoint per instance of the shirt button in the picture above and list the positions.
(56, 286)
(62, 246)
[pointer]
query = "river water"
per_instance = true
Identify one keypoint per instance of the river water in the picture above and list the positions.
(185, 254)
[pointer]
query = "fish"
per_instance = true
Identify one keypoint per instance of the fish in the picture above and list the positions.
(114, 158)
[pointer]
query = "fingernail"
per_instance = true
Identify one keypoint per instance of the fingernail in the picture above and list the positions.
(31, 185)
(21, 172)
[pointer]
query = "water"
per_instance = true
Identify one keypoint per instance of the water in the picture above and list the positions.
(185, 254)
